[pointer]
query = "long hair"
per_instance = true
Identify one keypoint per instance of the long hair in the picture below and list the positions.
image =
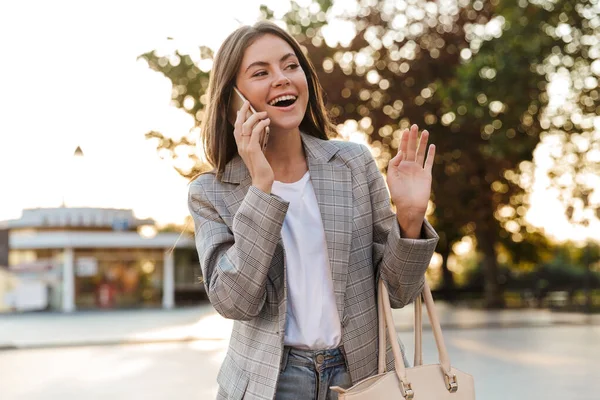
(217, 133)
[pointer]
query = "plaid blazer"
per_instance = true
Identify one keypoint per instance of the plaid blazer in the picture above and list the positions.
(238, 238)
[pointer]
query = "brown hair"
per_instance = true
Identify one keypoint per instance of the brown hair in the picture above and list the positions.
(217, 133)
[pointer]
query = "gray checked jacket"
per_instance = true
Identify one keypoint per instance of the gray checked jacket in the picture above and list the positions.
(238, 238)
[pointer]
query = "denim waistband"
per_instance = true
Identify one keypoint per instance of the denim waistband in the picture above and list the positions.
(317, 359)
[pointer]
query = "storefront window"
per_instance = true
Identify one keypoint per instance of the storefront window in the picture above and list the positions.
(118, 278)
(16, 257)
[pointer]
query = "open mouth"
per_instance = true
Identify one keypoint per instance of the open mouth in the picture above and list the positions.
(283, 101)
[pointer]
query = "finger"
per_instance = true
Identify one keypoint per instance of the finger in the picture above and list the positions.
(403, 143)
(395, 162)
(257, 132)
(248, 126)
(430, 158)
(422, 147)
(411, 151)
(239, 121)
(237, 127)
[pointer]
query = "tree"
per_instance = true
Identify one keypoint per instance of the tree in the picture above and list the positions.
(477, 77)
(422, 64)
(189, 82)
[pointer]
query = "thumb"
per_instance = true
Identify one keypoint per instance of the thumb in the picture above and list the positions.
(395, 162)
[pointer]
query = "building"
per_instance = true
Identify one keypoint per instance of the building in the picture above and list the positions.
(84, 258)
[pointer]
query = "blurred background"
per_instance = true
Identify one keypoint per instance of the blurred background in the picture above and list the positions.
(100, 108)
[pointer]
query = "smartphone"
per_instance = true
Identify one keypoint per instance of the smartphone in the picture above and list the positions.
(235, 103)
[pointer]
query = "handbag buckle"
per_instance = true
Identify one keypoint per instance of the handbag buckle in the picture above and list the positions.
(407, 391)
(452, 386)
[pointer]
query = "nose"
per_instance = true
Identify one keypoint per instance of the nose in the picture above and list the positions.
(280, 79)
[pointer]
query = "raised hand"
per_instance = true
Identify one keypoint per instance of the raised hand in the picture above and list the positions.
(409, 180)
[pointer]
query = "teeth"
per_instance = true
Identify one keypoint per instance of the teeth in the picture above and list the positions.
(282, 98)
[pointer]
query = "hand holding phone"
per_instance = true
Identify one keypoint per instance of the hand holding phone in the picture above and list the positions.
(251, 130)
(235, 104)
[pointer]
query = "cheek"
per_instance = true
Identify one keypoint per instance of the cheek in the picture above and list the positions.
(302, 86)
(254, 91)
(258, 91)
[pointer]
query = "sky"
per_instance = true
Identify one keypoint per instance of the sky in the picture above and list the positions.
(69, 77)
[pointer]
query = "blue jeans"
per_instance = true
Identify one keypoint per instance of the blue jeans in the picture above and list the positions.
(307, 375)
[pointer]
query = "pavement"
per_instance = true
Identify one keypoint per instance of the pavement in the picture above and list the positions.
(118, 327)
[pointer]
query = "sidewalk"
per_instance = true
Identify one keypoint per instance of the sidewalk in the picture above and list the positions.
(91, 328)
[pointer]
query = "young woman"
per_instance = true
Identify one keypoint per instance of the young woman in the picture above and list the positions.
(292, 240)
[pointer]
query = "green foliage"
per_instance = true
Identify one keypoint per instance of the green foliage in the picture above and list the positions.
(564, 270)
(555, 276)
(190, 84)
(188, 80)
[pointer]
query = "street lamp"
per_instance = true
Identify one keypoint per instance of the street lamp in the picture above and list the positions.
(77, 154)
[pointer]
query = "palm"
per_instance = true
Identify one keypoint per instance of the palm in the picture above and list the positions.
(410, 186)
(409, 181)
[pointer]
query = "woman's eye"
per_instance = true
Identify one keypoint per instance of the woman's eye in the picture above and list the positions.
(293, 66)
(260, 73)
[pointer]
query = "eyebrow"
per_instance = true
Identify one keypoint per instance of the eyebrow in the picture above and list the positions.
(262, 63)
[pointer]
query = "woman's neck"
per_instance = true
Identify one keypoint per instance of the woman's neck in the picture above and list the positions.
(285, 153)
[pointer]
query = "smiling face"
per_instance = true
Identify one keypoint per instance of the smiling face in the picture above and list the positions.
(272, 80)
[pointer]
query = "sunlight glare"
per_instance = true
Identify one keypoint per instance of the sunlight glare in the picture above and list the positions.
(463, 247)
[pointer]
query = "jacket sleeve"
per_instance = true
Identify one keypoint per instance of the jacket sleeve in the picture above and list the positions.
(401, 262)
(235, 264)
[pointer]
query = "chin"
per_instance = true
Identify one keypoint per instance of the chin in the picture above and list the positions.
(287, 124)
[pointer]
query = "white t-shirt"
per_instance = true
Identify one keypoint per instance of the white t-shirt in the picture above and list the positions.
(313, 322)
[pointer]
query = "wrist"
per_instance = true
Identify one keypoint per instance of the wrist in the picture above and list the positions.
(410, 229)
(263, 186)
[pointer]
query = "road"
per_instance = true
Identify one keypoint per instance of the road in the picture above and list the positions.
(553, 362)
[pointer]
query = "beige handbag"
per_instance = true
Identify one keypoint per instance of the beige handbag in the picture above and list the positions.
(422, 382)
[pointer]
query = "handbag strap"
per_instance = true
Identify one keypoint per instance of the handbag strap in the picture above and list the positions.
(384, 304)
(418, 331)
(418, 328)
(387, 320)
(381, 326)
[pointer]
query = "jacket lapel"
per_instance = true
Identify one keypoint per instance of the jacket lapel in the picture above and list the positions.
(332, 183)
(333, 188)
